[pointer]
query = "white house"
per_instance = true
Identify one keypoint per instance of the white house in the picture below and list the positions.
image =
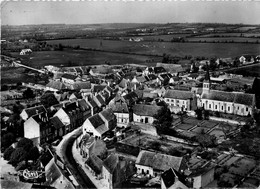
(178, 100)
(29, 112)
(68, 78)
(153, 164)
(121, 112)
(94, 125)
(25, 51)
(143, 113)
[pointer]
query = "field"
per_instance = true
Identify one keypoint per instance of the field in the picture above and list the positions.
(232, 35)
(81, 57)
(14, 75)
(224, 39)
(158, 48)
(253, 71)
(164, 37)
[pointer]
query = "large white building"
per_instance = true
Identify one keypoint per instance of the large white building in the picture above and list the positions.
(227, 102)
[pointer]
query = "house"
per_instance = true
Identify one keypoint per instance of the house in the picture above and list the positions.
(93, 105)
(71, 115)
(114, 171)
(121, 112)
(81, 86)
(171, 179)
(200, 173)
(99, 101)
(55, 86)
(58, 129)
(174, 69)
(154, 164)
(130, 98)
(109, 118)
(245, 59)
(55, 175)
(25, 52)
(38, 129)
(91, 146)
(29, 112)
(154, 70)
(94, 125)
(227, 102)
(174, 80)
(178, 100)
(143, 113)
(68, 78)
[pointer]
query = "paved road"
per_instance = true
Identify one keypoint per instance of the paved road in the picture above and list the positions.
(70, 163)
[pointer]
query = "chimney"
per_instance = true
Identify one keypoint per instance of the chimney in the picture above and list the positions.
(37, 111)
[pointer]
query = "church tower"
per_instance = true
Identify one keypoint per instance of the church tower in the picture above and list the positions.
(206, 82)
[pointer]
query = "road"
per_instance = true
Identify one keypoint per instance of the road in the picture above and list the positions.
(239, 67)
(77, 172)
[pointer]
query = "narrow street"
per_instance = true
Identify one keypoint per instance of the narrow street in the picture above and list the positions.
(64, 150)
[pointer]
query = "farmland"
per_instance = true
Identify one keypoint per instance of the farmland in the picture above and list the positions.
(80, 58)
(224, 39)
(158, 48)
(248, 71)
(231, 35)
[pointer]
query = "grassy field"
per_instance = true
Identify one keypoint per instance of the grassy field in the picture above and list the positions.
(14, 75)
(164, 37)
(231, 35)
(253, 71)
(158, 48)
(224, 39)
(81, 58)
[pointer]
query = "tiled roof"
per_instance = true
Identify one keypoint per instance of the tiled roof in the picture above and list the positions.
(158, 161)
(111, 162)
(239, 98)
(123, 83)
(100, 99)
(33, 110)
(46, 157)
(98, 88)
(151, 76)
(132, 97)
(146, 110)
(83, 105)
(244, 98)
(159, 70)
(92, 103)
(95, 163)
(96, 120)
(141, 79)
(119, 107)
(70, 107)
(168, 178)
(56, 122)
(56, 85)
(69, 76)
(108, 114)
(178, 94)
(81, 85)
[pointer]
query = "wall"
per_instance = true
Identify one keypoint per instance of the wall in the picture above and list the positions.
(88, 127)
(203, 180)
(178, 102)
(141, 119)
(108, 178)
(31, 129)
(119, 117)
(145, 169)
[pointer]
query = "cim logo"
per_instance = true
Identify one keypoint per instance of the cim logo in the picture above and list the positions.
(31, 174)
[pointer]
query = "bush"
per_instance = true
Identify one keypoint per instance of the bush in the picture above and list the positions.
(25, 143)
(17, 156)
(7, 140)
(8, 152)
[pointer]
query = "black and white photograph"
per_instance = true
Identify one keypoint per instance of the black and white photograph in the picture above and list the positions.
(111, 94)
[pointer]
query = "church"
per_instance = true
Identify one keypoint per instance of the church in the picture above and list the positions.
(237, 103)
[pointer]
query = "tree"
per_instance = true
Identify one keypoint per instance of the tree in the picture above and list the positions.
(48, 99)
(28, 93)
(206, 114)
(206, 140)
(8, 152)
(163, 120)
(166, 58)
(198, 112)
(33, 154)
(7, 140)
(18, 155)
(25, 143)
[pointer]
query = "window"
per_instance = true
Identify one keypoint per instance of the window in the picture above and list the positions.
(222, 107)
(172, 100)
(246, 108)
(238, 108)
(228, 108)
(209, 105)
(167, 100)
(216, 107)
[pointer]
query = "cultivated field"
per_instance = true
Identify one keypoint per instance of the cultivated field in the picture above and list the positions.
(231, 35)
(253, 71)
(82, 58)
(158, 48)
(224, 39)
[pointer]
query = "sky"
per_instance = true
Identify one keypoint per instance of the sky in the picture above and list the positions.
(119, 11)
